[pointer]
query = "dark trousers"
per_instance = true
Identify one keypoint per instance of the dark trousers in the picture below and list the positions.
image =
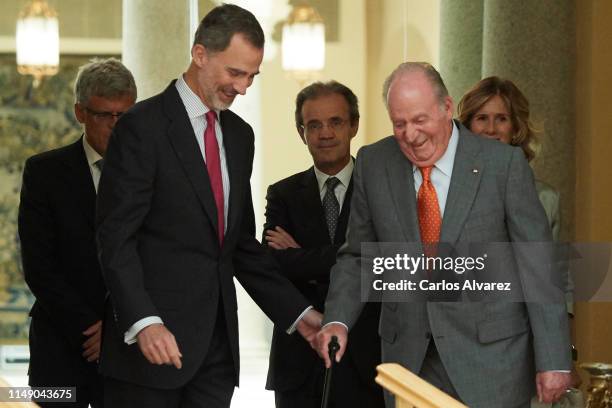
(347, 390)
(211, 387)
(55, 363)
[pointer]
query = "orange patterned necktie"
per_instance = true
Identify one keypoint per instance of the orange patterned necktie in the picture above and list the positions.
(430, 220)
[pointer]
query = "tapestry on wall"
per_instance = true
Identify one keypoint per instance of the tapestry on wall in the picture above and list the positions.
(32, 120)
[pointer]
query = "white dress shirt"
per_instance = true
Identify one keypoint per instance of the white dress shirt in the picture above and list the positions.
(344, 176)
(196, 110)
(441, 172)
(92, 158)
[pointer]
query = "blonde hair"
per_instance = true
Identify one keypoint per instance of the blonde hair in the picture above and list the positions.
(524, 134)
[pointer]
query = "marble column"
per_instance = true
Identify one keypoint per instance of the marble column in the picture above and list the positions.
(533, 44)
(461, 24)
(156, 42)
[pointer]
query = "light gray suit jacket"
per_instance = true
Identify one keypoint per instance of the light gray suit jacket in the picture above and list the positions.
(491, 350)
(549, 197)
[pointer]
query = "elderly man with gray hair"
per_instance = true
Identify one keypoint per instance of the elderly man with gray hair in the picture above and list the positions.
(441, 190)
(56, 228)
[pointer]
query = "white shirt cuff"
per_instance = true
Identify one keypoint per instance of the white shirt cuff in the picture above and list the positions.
(292, 328)
(340, 323)
(130, 336)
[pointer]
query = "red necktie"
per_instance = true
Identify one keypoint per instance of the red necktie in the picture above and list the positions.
(430, 220)
(213, 165)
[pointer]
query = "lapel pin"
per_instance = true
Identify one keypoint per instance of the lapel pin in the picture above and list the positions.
(475, 171)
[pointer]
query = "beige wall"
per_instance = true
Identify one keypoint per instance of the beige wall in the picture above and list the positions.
(283, 151)
(91, 27)
(397, 31)
(370, 44)
(77, 18)
(593, 153)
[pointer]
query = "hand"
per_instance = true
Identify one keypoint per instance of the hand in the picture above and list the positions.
(552, 385)
(309, 326)
(324, 337)
(278, 238)
(158, 345)
(92, 344)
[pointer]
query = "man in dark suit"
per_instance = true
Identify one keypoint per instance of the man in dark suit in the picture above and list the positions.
(56, 228)
(434, 184)
(306, 219)
(176, 224)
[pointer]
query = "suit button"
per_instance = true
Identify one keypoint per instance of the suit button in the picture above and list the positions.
(428, 335)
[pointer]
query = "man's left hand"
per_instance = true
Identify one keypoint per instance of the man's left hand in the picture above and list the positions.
(278, 238)
(552, 385)
(92, 344)
(309, 326)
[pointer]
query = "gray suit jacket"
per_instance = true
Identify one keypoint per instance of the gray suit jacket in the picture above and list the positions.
(491, 350)
(549, 197)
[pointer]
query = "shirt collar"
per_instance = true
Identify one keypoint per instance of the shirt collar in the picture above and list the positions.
(193, 104)
(90, 153)
(445, 163)
(343, 175)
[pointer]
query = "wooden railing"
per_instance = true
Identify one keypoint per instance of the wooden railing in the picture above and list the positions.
(411, 391)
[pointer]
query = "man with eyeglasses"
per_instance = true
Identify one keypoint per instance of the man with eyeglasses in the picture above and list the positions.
(306, 220)
(56, 228)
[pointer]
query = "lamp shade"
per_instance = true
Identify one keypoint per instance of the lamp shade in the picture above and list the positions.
(37, 40)
(303, 44)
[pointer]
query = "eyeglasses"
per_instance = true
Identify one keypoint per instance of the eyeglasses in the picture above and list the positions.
(315, 127)
(104, 116)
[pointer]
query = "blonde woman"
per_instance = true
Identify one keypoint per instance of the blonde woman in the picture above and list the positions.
(497, 109)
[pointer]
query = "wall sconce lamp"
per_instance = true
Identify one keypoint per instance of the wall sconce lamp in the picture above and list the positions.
(37, 40)
(303, 43)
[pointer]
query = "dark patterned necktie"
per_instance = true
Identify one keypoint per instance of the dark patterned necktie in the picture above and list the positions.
(331, 207)
(99, 164)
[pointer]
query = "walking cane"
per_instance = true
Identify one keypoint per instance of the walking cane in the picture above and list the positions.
(333, 348)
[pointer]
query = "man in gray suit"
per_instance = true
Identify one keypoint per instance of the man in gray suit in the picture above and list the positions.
(436, 182)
